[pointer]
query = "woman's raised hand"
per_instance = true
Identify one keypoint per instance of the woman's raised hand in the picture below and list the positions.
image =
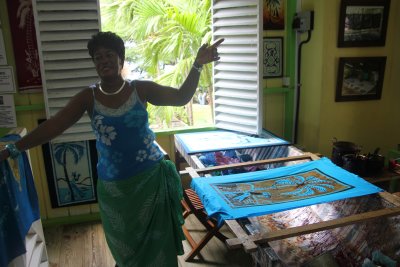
(208, 53)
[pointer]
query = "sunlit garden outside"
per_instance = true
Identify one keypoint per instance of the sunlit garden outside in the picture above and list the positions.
(162, 38)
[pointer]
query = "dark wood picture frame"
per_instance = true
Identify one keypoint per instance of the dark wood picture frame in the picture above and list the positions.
(363, 23)
(71, 172)
(273, 57)
(360, 78)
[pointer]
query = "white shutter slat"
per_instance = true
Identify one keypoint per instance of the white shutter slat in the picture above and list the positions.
(231, 101)
(68, 64)
(55, 93)
(70, 74)
(242, 49)
(245, 39)
(240, 11)
(236, 67)
(228, 84)
(239, 58)
(244, 76)
(60, 26)
(233, 3)
(72, 35)
(65, 55)
(238, 74)
(69, 16)
(236, 31)
(62, 30)
(235, 94)
(71, 83)
(241, 120)
(60, 45)
(245, 112)
(236, 22)
(65, 5)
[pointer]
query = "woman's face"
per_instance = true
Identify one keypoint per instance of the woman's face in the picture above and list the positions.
(107, 62)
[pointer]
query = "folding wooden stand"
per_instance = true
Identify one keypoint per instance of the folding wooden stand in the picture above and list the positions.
(193, 205)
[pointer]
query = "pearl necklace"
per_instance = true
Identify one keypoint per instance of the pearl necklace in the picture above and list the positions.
(113, 93)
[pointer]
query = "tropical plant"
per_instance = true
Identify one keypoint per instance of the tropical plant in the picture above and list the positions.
(166, 33)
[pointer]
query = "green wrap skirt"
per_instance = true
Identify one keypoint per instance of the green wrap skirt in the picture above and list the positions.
(142, 217)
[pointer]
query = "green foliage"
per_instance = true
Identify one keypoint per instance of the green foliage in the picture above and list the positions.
(166, 32)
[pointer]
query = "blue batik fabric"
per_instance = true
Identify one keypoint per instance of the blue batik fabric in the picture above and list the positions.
(269, 191)
(19, 206)
(222, 139)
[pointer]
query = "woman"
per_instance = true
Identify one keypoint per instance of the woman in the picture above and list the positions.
(138, 192)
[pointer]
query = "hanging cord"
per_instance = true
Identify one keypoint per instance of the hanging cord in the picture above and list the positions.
(298, 86)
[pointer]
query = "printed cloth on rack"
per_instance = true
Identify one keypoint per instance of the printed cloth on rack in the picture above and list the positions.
(269, 191)
(19, 206)
(197, 142)
(226, 157)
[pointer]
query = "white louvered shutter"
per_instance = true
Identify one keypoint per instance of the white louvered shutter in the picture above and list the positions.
(238, 74)
(63, 29)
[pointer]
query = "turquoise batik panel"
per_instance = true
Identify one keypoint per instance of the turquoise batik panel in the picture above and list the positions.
(220, 140)
(264, 192)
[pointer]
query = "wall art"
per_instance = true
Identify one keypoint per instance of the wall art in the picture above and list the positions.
(360, 78)
(273, 57)
(363, 23)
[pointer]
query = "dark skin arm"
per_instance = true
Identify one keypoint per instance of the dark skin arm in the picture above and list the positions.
(56, 125)
(168, 96)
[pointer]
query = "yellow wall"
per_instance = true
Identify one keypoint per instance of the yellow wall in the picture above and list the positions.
(370, 124)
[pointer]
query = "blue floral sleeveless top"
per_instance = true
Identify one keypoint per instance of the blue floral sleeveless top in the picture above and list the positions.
(124, 141)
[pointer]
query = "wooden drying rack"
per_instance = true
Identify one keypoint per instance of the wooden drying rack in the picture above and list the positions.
(249, 242)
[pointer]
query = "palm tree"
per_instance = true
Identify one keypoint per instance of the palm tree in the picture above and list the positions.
(166, 33)
(60, 154)
(305, 186)
(274, 7)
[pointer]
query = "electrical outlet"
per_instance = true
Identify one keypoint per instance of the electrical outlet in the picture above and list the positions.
(304, 21)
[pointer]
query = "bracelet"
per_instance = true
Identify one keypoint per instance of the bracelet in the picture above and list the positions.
(197, 66)
(13, 151)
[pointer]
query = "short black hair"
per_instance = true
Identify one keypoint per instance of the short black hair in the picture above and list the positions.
(108, 40)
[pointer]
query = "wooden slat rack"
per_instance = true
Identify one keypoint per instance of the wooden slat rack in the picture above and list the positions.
(250, 242)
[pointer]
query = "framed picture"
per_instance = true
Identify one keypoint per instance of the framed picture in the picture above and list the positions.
(360, 78)
(273, 57)
(71, 172)
(363, 23)
(273, 15)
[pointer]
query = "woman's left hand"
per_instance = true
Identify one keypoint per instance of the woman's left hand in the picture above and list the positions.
(207, 54)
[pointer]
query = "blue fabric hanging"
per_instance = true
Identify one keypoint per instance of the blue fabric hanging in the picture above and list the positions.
(221, 140)
(19, 206)
(269, 191)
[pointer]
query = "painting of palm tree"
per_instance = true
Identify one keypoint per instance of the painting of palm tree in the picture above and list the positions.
(278, 190)
(274, 15)
(69, 172)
